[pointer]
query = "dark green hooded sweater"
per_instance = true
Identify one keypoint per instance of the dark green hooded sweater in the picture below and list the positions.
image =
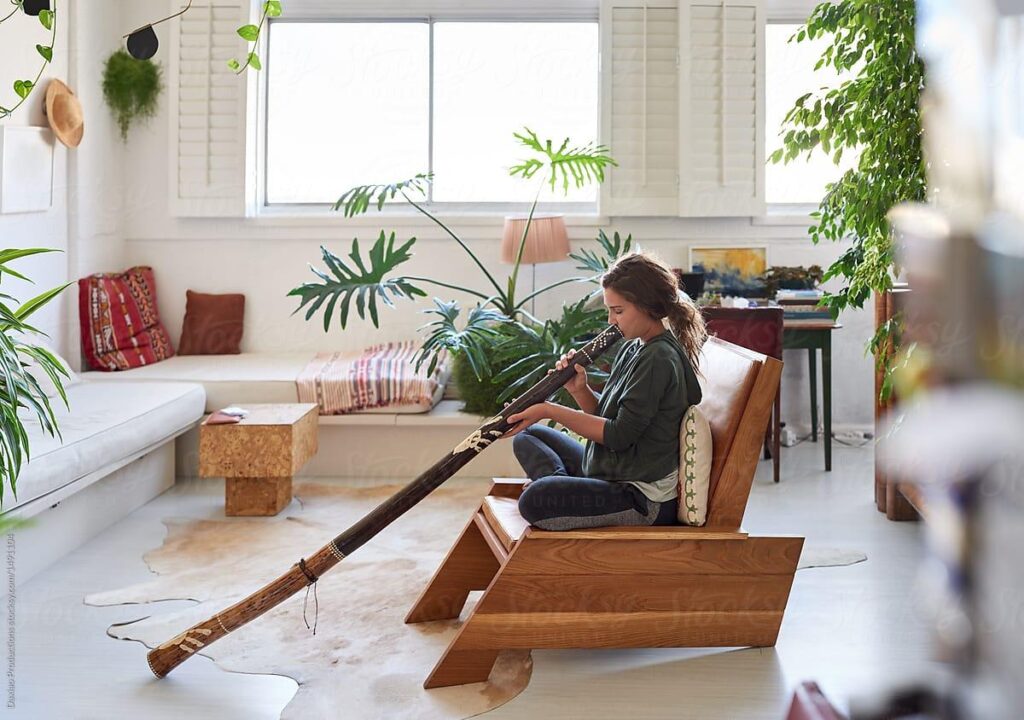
(650, 387)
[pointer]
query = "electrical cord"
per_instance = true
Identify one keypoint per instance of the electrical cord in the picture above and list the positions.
(821, 432)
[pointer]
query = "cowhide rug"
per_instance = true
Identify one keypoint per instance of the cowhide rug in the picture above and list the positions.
(363, 661)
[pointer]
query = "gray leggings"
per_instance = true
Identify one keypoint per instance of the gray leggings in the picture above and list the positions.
(559, 498)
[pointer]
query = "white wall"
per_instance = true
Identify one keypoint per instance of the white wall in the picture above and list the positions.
(95, 204)
(264, 258)
(84, 220)
(20, 61)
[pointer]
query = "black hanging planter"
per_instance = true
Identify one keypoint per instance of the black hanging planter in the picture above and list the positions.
(142, 43)
(34, 7)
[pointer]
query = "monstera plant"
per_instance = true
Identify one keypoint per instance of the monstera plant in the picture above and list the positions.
(502, 348)
(20, 389)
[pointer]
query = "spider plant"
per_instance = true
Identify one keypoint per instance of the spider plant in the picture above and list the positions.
(564, 165)
(19, 389)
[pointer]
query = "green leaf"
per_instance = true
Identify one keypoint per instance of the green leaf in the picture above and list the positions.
(357, 200)
(10, 254)
(234, 64)
(254, 62)
(23, 88)
(46, 52)
(341, 282)
(474, 339)
(30, 306)
(272, 8)
(46, 18)
(249, 32)
(578, 165)
(613, 249)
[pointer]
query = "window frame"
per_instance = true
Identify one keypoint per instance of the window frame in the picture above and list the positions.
(586, 210)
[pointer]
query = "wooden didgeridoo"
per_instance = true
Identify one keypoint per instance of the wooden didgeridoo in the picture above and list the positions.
(172, 653)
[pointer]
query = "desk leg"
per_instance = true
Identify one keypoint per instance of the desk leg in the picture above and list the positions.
(812, 364)
(826, 395)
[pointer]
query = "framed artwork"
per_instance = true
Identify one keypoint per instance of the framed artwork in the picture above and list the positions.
(26, 169)
(735, 271)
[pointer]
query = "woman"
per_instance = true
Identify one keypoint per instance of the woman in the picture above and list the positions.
(627, 474)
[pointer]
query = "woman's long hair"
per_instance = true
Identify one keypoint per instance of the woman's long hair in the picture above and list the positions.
(651, 285)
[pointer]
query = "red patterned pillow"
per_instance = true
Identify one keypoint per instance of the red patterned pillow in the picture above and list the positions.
(120, 324)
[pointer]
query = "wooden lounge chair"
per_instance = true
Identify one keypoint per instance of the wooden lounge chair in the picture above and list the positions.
(666, 586)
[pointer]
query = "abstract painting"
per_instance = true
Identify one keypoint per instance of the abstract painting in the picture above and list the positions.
(732, 271)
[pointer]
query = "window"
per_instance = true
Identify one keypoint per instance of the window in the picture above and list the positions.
(789, 73)
(350, 103)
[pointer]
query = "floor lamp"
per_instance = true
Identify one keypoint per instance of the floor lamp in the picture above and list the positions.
(546, 241)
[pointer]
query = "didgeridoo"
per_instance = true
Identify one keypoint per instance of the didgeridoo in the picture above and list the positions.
(166, 657)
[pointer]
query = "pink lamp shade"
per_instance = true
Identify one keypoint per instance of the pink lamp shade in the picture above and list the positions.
(546, 242)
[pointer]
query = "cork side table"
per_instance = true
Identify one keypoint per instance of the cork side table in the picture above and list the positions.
(258, 456)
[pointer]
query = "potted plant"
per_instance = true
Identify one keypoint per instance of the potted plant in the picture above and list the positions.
(797, 277)
(502, 349)
(131, 88)
(20, 388)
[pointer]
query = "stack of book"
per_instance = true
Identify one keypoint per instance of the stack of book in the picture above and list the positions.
(802, 305)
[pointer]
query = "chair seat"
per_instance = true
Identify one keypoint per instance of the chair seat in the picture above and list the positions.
(502, 514)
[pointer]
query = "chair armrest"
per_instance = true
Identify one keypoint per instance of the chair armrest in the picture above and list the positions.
(507, 487)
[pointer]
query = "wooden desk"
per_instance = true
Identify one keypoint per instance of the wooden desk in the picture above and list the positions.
(814, 335)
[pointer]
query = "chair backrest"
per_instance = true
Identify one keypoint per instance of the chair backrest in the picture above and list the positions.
(758, 329)
(738, 387)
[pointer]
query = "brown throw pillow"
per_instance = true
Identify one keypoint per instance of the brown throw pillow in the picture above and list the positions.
(213, 324)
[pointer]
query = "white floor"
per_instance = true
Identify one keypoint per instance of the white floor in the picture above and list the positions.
(850, 628)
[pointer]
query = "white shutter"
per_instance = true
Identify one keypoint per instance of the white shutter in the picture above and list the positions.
(721, 108)
(640, 106)
(207, 164)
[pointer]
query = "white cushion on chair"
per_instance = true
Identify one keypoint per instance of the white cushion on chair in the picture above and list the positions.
(695, 455)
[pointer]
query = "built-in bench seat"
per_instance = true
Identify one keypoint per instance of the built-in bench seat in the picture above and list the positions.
(392, 442)
(114, 453)
(239, 379)
(107, 425)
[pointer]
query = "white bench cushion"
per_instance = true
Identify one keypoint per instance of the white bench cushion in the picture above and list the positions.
(227, 379)
(240, 379)
(108, 422)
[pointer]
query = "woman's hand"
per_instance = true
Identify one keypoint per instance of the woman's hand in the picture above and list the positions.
(522, 420)
(578, 382)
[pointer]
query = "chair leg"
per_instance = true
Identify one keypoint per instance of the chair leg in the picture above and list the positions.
(470, 565)
(777, 435)
(458, 667)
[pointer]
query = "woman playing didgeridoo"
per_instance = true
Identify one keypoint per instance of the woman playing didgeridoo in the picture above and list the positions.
(627, 473)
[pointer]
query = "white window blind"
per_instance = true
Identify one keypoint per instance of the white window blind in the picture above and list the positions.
(640, 114)
(721, 108)
(208, 122)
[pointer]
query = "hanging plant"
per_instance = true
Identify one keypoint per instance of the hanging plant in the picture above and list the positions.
(131, 88)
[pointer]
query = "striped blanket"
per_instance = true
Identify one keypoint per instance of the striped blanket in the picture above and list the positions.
(379, 376)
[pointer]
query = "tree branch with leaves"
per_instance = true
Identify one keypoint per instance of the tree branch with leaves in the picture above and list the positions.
(875, 111)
